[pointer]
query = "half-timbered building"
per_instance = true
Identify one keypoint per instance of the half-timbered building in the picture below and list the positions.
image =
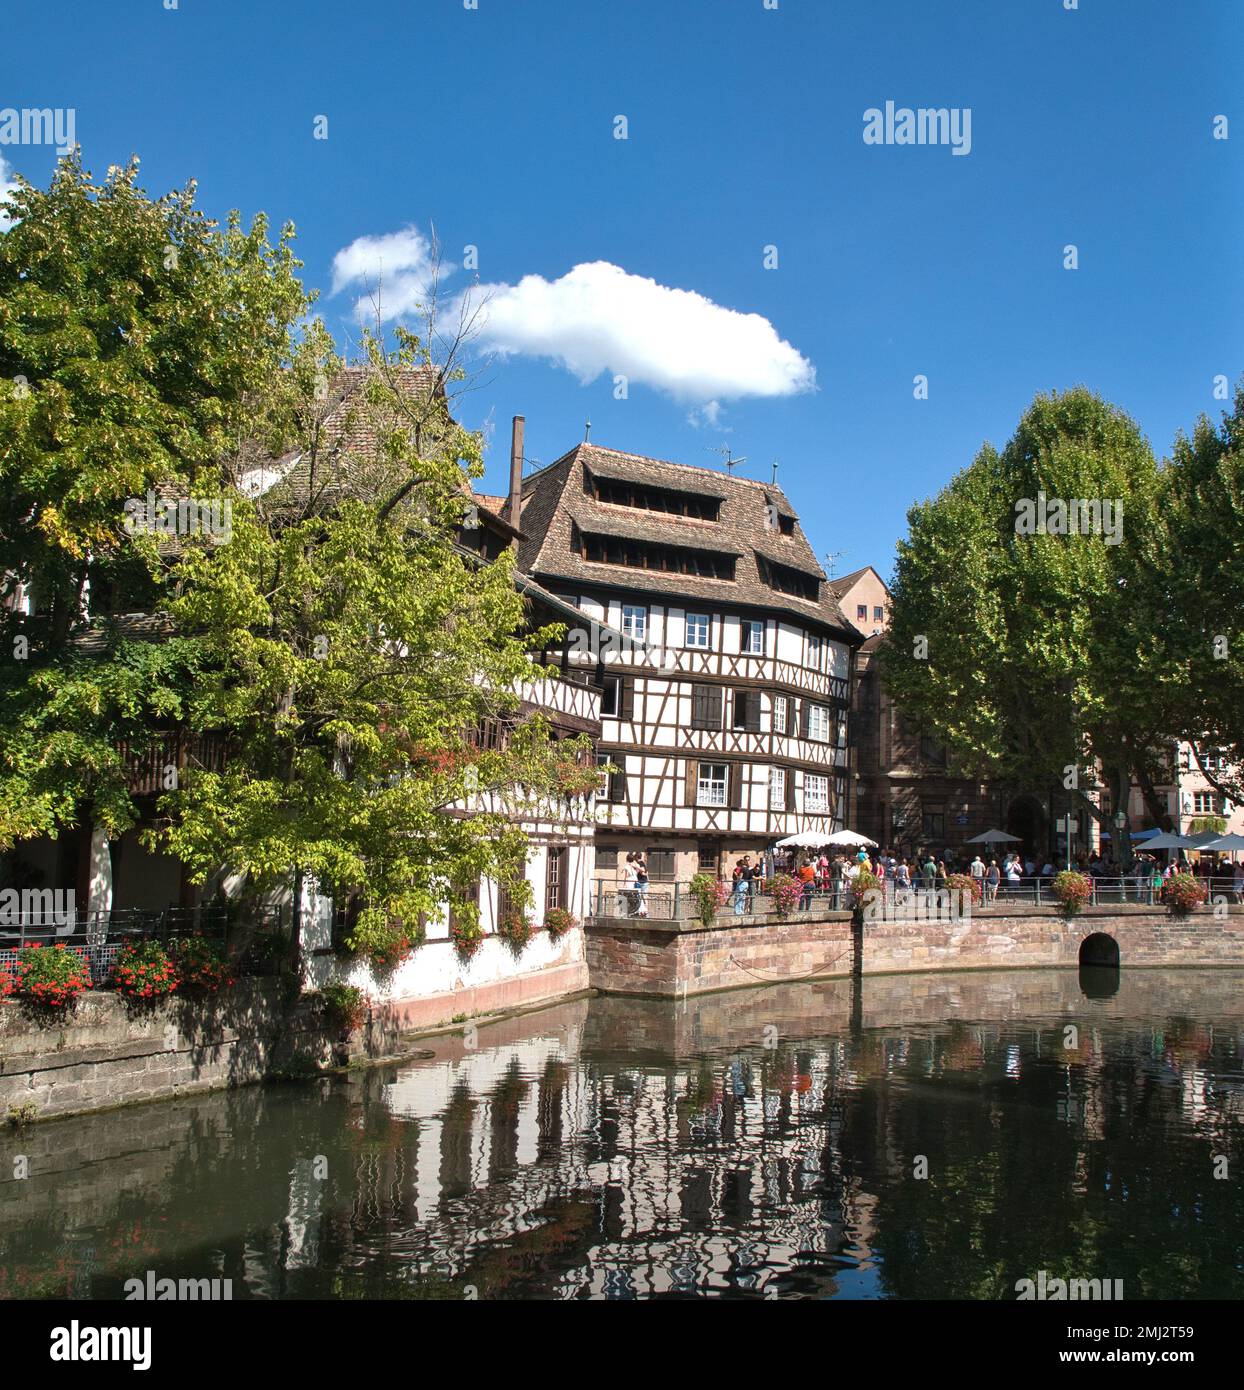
(723, 655)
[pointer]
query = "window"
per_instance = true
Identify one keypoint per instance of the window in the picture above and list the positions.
(779, 714)
(815, 793)
(931, 750)
(614, 788)
(707, 855)
(660, 865)
(635, 622)
(878, 613)
(861, 612)
(600, 549)
(706, 707)
(470, 892)
(555, 879)
(606, 858)
(814, 651)
(747, 710)
(622, 493)
(818, 723)
(711, 784)
(777, 789)
(609, 698)
(933, 822)
(786, 580)
(752, 637)
(698, 628)
(842, 728)
(1205, 804)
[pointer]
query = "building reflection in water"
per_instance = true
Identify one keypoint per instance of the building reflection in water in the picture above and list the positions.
(768, 1143)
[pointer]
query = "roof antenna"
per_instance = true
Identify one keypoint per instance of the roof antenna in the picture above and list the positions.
(731, 462)
(830, 559)
(587, 430)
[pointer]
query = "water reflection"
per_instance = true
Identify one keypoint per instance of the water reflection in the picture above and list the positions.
(765, 1143)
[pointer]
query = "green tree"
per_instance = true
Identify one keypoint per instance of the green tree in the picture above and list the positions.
(134, 334)
(1032, 655)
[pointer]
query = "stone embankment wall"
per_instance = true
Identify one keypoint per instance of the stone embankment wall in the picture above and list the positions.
(674, 959)
(105, 1052)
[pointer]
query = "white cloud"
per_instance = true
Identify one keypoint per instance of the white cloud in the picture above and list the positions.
(598, 318)
(397, 268)
(7, 186)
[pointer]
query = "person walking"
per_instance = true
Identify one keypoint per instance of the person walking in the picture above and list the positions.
(977, 870)
(992, 878)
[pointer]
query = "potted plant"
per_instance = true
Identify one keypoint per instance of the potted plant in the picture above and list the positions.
(1182, 892)
(558, 921)
(1072, 890)
(467, 936)
(52, 976)
(861, 885)
(345, 1006)
(202, 966)
(144, 972)
(971, 889)
(785, 890)
(515, 927)
(710, 896)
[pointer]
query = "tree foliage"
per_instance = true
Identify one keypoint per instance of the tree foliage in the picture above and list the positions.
(1041, 657)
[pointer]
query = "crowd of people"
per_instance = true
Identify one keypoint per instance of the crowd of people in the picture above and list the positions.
(823, 874)
(829, 876)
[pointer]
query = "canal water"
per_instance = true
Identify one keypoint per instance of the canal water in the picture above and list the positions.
(913, 1137)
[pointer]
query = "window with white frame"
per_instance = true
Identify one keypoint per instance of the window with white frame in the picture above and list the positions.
(698, 628)
(635, 622)
(779, 714)
(818, 723)
(815, 793)
(1205, 804)
(752, 637)
(711, 784)
(814, 651)
(777, 789)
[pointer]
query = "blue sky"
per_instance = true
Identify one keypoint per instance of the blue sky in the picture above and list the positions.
(1090, 127)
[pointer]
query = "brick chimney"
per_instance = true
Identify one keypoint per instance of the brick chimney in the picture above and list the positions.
(514, 509)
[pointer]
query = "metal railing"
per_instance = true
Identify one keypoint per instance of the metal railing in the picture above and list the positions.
(99, 937)
(672, 902)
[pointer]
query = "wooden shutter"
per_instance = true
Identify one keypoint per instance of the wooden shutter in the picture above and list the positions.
(693, 777)
(805, 718)
(790, 788)
(699, 706)
(617, 783)
(736, 785)
(626, 697)
(751, 711)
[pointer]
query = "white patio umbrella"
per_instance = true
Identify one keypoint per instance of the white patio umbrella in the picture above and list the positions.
(849, 837)
(806, 839)
(994, 837)
(1226, 842)
(1169, 842)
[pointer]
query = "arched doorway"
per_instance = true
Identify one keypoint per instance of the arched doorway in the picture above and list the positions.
(1099, 949)
(1026, 818)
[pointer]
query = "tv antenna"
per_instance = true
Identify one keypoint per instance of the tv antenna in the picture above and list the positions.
(731, 462)
(831, 560)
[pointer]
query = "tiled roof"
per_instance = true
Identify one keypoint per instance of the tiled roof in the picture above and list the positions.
(555, 497)
(843, 583)
(135, 627)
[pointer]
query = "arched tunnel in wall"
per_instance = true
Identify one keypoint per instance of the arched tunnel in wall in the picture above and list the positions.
(1099, 949)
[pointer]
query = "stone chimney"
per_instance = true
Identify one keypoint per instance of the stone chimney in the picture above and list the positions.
(514, 509)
